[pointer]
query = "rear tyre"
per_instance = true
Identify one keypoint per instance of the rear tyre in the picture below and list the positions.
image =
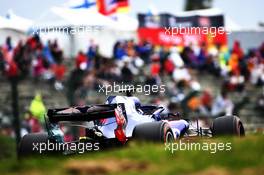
(29, 144)
(153, 131)
(227, 125)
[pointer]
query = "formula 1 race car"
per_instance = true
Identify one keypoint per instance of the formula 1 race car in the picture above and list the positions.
(121, 119)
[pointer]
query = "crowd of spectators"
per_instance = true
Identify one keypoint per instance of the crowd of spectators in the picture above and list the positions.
(144, 63)
(33, 58)
(141, 63)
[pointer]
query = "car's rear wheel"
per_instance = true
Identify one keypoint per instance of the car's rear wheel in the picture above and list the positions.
(227, 125)
(153, 131)
(30, 144)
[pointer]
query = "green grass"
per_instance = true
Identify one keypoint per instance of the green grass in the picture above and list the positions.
(247, 154)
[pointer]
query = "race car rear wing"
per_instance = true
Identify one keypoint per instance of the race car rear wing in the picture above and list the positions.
(85, 113)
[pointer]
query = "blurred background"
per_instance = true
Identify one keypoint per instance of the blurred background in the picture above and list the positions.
(56, 53)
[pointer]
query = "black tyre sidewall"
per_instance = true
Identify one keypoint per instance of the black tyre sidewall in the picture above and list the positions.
(227, 125)
(152, 131)
(26, 146)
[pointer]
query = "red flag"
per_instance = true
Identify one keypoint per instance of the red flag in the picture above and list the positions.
(108, 7)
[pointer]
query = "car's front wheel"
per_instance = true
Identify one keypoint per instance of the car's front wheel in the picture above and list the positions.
(227, 125)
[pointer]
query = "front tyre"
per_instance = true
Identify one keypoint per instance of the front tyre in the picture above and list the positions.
(227, 125)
